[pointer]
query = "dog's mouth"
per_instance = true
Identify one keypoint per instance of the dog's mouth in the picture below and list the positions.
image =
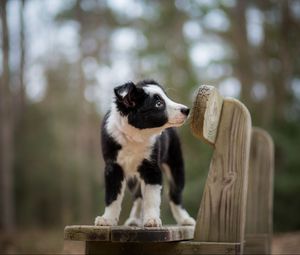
(177, 120)
(177, 123)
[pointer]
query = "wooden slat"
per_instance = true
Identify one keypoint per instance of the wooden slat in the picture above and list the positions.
(87, 233)
(257, 244)
(221, 216)
(162, 234)
(260, 191)
(171, 248)
(206, 113)
(129, 234)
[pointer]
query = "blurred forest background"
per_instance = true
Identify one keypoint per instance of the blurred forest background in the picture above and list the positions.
(60, 61)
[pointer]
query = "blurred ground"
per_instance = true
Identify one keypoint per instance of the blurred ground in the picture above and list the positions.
(33, 241)
(287, 243)
(51, 242)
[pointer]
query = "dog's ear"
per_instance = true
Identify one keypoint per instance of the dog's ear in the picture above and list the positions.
(125, 94)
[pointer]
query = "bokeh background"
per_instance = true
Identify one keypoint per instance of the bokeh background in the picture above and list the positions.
(60, 60)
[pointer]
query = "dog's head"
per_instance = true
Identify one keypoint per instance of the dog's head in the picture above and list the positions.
(146, 105)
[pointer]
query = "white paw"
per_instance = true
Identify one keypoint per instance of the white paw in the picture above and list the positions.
(189, 221)
(135, 222)
(152, 222)
(101, 221)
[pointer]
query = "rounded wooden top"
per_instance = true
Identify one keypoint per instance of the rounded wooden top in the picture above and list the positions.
(206, 113)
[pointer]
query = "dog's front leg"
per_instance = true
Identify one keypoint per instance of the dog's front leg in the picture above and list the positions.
(114, 193)
(151, 205)
(151, 189)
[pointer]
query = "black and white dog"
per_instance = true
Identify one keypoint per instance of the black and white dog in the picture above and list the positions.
(138, 141)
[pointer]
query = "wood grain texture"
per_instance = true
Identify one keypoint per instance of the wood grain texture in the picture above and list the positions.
(129, 234)
(162, 234)
(206, 113)
(257, 244)
(260, 189)
(87, 233)
(221, 216)
(171, 248)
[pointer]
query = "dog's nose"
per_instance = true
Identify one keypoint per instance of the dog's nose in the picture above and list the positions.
(185, 111)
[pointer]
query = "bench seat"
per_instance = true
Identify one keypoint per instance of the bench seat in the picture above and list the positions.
(168, 233)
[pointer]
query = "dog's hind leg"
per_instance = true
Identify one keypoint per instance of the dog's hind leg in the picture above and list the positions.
(135, 217)
(174, 168)
(114, 192)
(176, 180)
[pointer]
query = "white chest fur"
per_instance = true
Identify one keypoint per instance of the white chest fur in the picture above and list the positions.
(131, 156)
(137, 144)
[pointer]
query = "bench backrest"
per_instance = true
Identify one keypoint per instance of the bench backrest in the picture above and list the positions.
(259, 220)
(224, 123)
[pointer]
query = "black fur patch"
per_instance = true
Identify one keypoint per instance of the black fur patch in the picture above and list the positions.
(150, 170)
(146, 82)
(176, 164)
(147, 115)
(114, 176)
(131, 101)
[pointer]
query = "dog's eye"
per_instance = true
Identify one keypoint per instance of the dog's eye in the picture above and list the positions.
(159, 104)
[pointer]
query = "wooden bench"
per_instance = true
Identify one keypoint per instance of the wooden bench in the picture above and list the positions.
(259, 220)
(224, 123)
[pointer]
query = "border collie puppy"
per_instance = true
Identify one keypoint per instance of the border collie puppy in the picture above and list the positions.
(138, 142)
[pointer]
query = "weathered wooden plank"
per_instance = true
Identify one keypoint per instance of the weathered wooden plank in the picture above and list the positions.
(129, 234)
(87, 233)
(221, 216)
(260, 191)
(206, 113)
(171, 248)
(161, 234)
(257, 244)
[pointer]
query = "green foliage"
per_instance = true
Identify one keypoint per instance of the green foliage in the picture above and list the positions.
(287, 175)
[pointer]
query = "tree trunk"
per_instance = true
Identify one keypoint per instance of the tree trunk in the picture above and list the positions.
(22, 56)
(284, 79)
(83, 133)
(240, 41)
(19, 97)
(6, 133)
